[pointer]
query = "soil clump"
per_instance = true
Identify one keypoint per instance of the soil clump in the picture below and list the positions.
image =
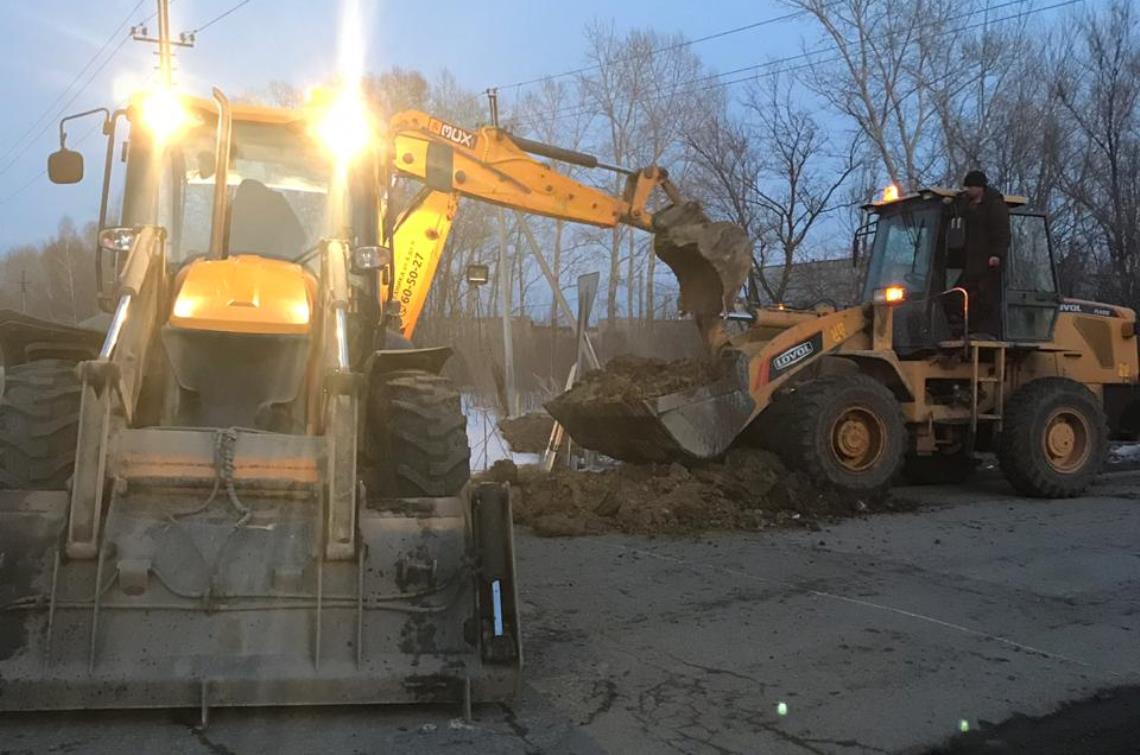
(628, 378)
(750, 489)
(529, 433)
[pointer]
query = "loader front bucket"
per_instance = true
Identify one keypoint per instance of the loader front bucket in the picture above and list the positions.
(696, 423)
(192, 603)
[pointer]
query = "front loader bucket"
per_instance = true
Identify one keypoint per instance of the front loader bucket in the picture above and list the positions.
(196, 605)
(697, 423)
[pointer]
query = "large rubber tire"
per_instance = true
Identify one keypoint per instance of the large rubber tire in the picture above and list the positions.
(420, 435)
(825, 421)
(1054, 438)
(39, 420)
(939, 468)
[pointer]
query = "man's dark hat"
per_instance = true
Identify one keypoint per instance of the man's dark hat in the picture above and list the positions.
(975, 178)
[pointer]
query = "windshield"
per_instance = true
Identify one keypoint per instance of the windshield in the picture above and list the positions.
(902, 251)
(277, 187)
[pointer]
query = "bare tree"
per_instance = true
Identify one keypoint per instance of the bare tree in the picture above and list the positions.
(1100, 93)
(773, 171)
(639, 87)
(55, 279)
(800, 176)
(555, 113)
(887, 61)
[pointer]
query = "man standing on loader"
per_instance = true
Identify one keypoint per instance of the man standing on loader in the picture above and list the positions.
(987, 243)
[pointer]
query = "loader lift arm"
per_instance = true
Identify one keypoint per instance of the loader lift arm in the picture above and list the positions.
(494, 166)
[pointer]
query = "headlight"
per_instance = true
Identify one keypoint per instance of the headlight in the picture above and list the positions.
(185, 306)
(890, 295)
(163, 114)
(300, 311)
(344, 126)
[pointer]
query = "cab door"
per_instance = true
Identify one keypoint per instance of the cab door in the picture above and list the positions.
(1031, 296)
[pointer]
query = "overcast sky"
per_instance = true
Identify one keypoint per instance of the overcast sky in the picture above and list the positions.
(483, 44)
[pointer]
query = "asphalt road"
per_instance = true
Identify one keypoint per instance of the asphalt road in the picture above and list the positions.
(884, 634)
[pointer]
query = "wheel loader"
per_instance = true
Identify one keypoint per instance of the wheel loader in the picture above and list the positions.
(247, 488)
(900, 383)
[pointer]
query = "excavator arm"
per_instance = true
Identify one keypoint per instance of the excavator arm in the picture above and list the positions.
(710, 260)
(418, 238)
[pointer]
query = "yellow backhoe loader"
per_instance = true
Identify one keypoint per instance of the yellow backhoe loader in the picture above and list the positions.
(899, 383)
(248, 489)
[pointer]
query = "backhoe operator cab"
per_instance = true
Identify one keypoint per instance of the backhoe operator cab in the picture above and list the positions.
(914, 247)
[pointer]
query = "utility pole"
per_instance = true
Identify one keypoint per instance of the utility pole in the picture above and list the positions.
(24, 291)
(165, 44)
(512, 408)
(981, 117)
(493, 104)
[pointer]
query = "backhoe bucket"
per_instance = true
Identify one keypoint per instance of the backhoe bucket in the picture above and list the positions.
(710, 260)
(198, 600)
(697, 423)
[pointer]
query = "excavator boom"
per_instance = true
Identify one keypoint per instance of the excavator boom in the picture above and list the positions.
(710, 260)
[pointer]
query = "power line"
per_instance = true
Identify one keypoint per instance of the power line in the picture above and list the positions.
(47, 112)
(220, 16)
(716, 35)
(583, 110)
(28, 184)
(66, 105)
(680, 88)
(91, 78)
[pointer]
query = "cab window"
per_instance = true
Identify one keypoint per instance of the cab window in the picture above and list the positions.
(1030, 267)
(902, 251)
(1031, 289)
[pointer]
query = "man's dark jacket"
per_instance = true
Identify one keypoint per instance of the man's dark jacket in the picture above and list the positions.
(987, 235)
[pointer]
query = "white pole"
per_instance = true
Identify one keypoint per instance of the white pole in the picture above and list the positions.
(505, 298)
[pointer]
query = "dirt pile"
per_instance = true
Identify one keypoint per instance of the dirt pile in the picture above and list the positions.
(628, 378)
(529, 433)
(750, 490)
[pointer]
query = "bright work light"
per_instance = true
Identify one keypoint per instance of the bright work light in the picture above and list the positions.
(163, 114)
(344, 126)
(890, 295)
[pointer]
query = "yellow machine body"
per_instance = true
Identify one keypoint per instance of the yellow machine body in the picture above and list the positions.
(417, 247)
(244, 294)
(857, 394)
(250, 496)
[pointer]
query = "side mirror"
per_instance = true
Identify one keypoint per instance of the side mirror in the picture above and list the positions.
(368, 258)
(65, 166)
(477, 275)
(956, 234)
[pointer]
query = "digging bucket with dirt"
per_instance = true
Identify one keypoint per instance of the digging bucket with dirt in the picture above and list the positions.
(710, 260)
(647, 410)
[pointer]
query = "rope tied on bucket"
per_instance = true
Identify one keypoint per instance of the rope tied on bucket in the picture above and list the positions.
(225, 444)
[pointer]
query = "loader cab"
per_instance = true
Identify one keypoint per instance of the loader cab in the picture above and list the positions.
(915, 242)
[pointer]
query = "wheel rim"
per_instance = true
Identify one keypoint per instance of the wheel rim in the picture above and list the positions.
(1066, 440)
(858, 438)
